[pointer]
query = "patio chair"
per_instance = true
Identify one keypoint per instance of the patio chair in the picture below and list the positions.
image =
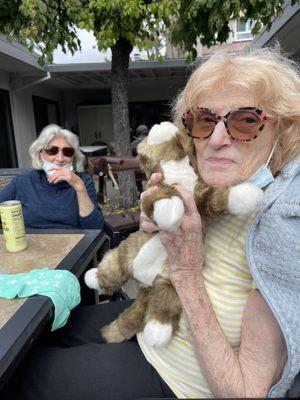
(107, 167)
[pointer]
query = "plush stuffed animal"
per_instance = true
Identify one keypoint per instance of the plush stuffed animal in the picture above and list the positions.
(156, 310)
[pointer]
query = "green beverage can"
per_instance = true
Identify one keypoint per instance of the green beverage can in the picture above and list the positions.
(13, 225)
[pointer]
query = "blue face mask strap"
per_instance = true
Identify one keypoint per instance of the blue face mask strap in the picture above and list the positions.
(272, 151)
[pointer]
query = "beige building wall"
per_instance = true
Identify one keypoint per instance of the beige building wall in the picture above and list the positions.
(232, 44)
(22, 114)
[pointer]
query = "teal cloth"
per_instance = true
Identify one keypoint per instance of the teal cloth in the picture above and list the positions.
(61, 286)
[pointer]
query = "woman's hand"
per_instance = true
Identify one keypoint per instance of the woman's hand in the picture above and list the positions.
(64, 174)
(184, 246)
(61, 174)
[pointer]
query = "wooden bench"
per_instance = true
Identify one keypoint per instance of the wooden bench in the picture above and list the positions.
(6, 175)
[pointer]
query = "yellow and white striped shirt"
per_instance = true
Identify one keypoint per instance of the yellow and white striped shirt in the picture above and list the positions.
(228, 282)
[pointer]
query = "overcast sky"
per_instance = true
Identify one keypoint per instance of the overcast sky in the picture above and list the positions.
(88, 54)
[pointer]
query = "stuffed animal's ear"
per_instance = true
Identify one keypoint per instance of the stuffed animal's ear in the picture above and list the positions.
(142, 146)
(162, 132)
(186, 142)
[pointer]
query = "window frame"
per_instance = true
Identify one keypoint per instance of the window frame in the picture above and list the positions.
(246, 32)
(41, 112)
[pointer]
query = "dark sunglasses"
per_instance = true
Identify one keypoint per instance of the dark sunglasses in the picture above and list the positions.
(242, 124)
(53, 150)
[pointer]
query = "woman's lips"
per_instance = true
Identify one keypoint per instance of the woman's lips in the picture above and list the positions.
(220, 160)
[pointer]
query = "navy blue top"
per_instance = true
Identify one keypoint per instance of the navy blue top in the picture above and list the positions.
(51, 206)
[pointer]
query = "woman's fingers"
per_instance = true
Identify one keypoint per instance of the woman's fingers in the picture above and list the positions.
(148, 192)
(59, 175)
(190, 206)
(155, 178)
(147, 225)
(188, 199)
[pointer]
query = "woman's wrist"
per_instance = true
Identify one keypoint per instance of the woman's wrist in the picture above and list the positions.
(80, 187)
(81, 190)
(183, 278)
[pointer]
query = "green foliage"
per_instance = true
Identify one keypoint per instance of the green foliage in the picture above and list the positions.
(42, 23)
(138, 21)
(209, 19)
(49, 23)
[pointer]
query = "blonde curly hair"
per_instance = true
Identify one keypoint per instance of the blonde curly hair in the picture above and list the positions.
(271, 76)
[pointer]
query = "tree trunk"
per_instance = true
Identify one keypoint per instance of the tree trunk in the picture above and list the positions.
(120, 117)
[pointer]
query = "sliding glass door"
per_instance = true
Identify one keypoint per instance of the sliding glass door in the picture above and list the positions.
(8, 157)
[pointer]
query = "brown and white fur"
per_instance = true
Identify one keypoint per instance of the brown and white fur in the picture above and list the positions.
(156, 310)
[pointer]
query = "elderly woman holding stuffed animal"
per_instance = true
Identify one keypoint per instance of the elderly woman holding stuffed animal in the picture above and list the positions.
(236, 275)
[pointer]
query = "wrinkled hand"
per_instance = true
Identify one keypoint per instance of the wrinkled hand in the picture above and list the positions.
(64, 174)
(185, 245)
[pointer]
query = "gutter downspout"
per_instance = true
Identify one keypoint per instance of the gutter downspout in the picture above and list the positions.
(36, 82)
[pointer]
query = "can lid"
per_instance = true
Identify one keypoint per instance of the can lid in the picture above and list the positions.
(10, 203)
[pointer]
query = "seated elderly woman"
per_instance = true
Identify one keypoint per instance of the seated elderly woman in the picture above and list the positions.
(238, 284)
(56, 194)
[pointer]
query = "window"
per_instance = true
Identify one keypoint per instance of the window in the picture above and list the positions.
(148, 113)
(45, 112)
(243, 30)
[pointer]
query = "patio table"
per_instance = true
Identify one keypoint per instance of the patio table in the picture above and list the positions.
(22, 320)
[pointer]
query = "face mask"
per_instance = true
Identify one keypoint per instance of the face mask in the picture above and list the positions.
(48, 164)
(263, 176)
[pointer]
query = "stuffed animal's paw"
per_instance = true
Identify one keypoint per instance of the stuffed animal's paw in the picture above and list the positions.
(244, 198)
(168, 213)
(162, 132)
(112, 334)
(91, 280)
(157, 334)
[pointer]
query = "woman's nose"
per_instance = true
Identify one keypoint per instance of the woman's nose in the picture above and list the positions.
(60, 157)
(219, 136)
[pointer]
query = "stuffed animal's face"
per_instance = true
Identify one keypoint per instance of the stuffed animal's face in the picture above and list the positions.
(171, 152)
(164, 143)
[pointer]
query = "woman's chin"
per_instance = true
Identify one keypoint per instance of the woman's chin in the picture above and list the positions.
(220, 180)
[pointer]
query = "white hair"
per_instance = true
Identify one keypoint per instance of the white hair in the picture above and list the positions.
(47, 134)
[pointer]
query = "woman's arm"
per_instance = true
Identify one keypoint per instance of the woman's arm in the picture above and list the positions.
(248, 372)
(64, 174)
(85, 204)
(8, 192)
(89, 210)
(256, 366)
(95, 219)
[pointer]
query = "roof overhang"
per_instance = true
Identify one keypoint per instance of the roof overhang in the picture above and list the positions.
(98, 75)
(16, 59)
(285, 30)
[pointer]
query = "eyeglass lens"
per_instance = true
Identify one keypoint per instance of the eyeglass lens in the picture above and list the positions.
(242, 125)
(53, 150)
